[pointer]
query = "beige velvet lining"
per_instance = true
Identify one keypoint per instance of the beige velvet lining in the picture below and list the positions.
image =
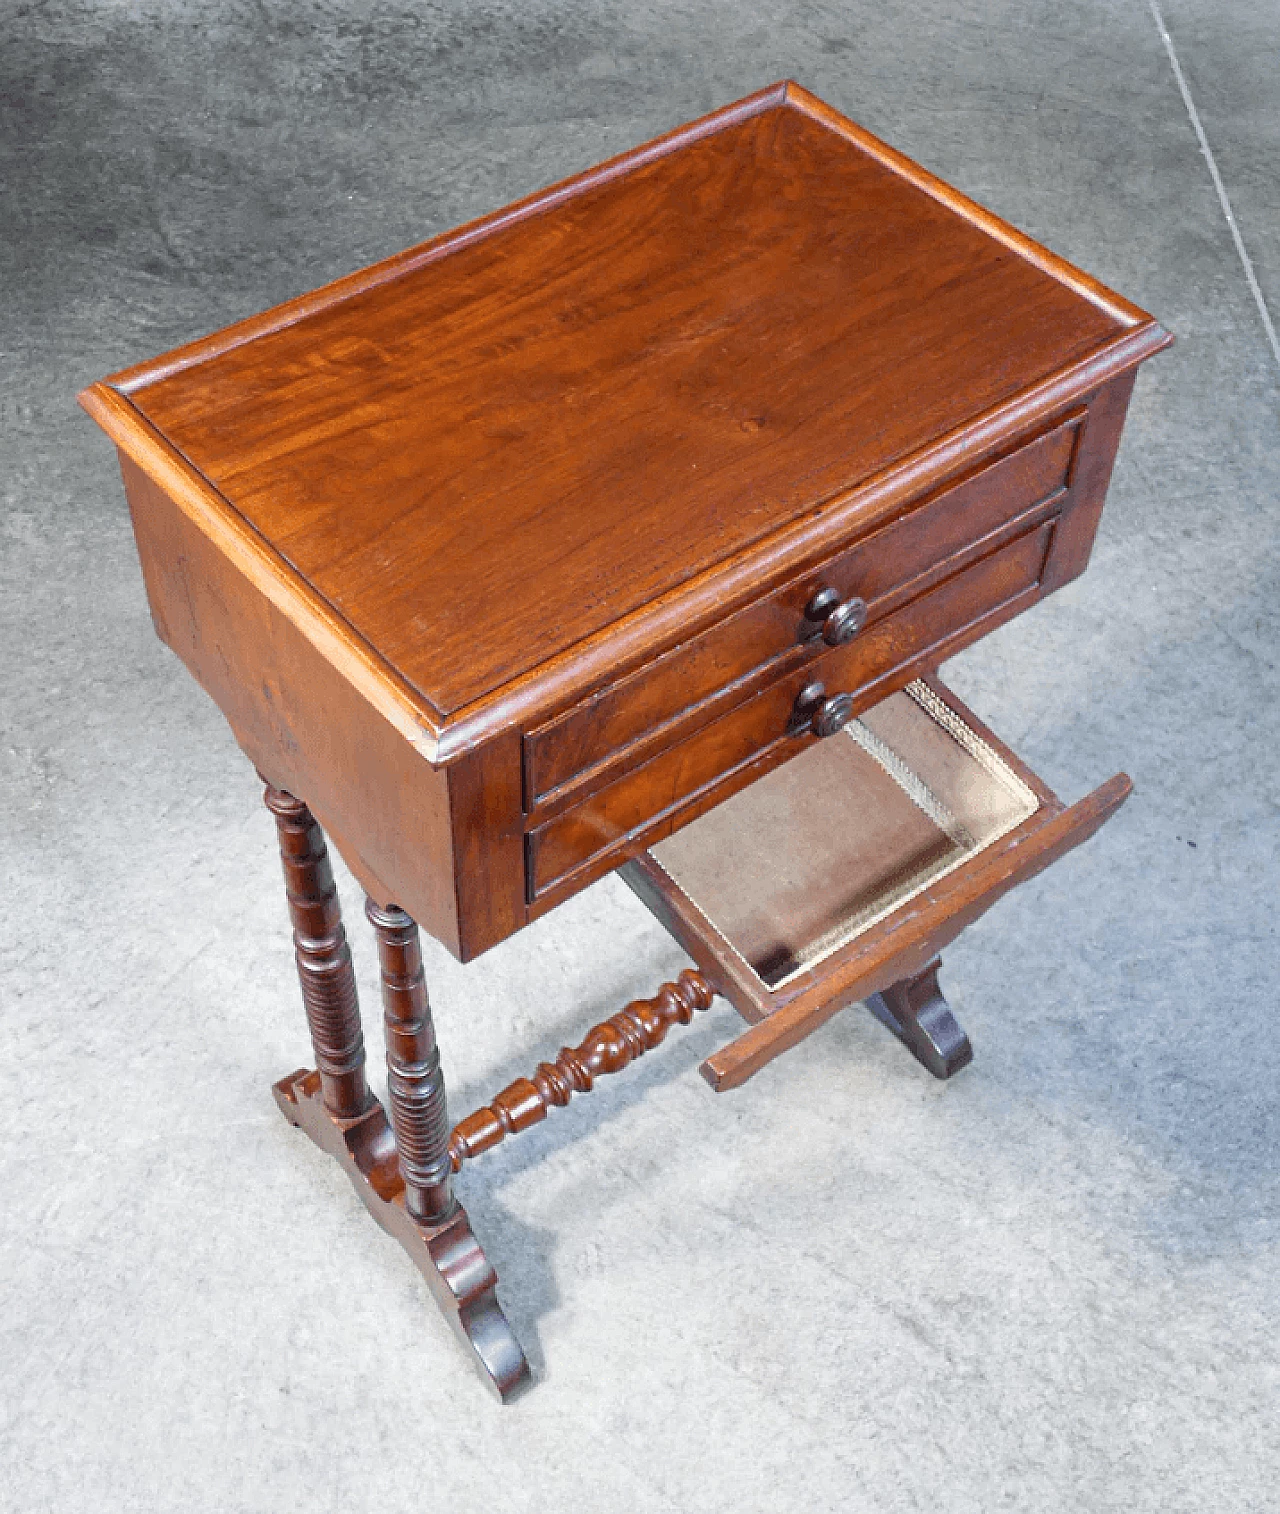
(804, 860)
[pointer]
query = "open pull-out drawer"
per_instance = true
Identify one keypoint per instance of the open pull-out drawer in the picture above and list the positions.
(840, 876)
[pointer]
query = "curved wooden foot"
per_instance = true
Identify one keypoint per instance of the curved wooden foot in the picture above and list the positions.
(445, 1251)
(915, 1011)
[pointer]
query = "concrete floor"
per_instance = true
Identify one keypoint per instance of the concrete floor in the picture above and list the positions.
(1051, 1285)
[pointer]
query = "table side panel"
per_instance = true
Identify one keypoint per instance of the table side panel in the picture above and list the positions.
(487, 821)
(1090, 476)
(298, 719)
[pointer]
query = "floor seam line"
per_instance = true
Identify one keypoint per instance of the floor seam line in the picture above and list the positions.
(1223, 198)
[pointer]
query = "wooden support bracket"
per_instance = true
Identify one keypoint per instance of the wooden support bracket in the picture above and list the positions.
(445, 1251)
(915, 1011)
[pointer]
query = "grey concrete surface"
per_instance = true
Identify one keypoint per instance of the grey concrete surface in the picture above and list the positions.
(1049, 1286)
(1229, 55)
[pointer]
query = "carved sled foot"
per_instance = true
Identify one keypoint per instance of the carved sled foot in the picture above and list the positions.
(915, 1011)
(446, 1252)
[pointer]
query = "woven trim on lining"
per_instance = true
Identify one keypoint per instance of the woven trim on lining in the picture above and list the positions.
(911, 784)
(965, 844)
(972, 743)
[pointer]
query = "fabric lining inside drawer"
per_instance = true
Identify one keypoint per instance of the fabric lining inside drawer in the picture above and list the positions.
(807, 858)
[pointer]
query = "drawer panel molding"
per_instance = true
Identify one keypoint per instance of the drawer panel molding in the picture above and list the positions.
(930, 540)
(680, 781)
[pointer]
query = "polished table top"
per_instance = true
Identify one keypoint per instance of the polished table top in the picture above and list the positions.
(482, 454)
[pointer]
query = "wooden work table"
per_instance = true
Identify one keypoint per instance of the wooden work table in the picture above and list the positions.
(627, 528)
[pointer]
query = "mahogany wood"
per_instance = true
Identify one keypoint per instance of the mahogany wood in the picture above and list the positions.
(403, 1178)
(365, 398)
(608, 1047)
(323, 957)
(499, 552)
(875, 379)
(651, 800)
(450, 431)
(415, 1084)
(898, 562)
(305, 726)
(916, 1012)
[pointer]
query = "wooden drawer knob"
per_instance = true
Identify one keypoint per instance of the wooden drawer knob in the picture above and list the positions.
(839, 620)
(819, 712)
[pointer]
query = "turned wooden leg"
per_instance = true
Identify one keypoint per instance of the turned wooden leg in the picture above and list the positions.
(415, 1084)
(323, 957)
(915, 1011)
(406, 1188)
(423, 1213)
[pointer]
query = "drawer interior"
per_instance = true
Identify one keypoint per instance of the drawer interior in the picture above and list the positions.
(847, 869)
(805, 860)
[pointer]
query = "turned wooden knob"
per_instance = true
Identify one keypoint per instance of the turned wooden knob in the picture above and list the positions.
(839, 620)
(819, 712)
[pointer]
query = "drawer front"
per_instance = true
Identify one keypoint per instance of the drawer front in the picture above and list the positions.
(885, 568)
(651, 800)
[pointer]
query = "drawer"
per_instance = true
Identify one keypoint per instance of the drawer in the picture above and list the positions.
(849, 869)
(930, 540)
(585, 840)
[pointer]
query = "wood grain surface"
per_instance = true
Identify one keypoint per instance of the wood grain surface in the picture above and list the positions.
(497, 554)
(885, 569)
(486, 455)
